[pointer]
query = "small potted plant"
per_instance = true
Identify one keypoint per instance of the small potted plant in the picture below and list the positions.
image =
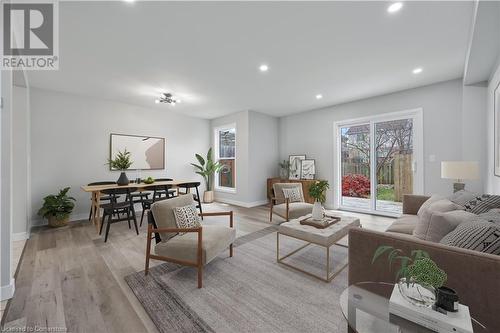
(121, 162)
(207, 169)
(57, 208)
(418, 277)
(317, 190)
(284, 169)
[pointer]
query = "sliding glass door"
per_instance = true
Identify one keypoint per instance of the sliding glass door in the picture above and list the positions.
(377, 159)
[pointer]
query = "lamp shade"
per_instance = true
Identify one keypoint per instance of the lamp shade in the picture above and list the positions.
(459, 170)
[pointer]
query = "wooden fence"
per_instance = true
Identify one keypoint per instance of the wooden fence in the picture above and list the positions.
(398, 173)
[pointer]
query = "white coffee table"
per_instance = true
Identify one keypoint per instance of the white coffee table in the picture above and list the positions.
(322, 237)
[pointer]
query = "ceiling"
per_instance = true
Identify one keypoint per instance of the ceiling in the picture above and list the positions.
(208, 53)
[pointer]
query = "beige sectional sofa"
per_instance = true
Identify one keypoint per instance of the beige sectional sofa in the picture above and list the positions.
(474, 275)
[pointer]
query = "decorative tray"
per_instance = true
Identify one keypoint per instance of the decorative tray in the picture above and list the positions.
(327, 221)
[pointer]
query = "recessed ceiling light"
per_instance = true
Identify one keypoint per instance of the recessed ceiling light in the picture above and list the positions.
(395, 7)
(263, 68)
(157, 101)
(129, 0)
(417, 70)
(319, 96)
(178, 101)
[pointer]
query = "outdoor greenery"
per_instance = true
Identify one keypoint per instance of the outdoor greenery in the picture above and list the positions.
(207, 168)
(121, 161)
(355, 185)
(58, 205)
(418, 267)
(317, 190)
(385, 193)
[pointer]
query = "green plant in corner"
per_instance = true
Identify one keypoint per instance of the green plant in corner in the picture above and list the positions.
(317, 190)
(57, 207)
(207, 168)
(416, 268)
(121, 161)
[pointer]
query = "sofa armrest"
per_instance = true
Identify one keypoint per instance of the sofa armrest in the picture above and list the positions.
(412, 203)
(474, 275)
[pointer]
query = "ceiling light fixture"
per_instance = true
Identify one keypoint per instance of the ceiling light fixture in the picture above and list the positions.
(417, 70)
(167, 98)
(263, 68)
(395, 7)
(129, 1)
(319, 96)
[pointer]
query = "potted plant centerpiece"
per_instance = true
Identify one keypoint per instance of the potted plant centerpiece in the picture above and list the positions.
(418, 277)
(121, 162)
(207, 169)
(57, 208)
(317, 190)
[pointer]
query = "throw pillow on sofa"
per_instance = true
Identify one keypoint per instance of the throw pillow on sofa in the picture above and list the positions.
(482, 203)
(478, 236)
(462, 197)
(492, 215)
(424, 229)
(441, 224)
(429, 202)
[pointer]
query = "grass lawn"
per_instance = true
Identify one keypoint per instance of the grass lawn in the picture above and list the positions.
(384, 193)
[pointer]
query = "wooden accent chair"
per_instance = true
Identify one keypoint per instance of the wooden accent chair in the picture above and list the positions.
(193, 247)
(282, 206)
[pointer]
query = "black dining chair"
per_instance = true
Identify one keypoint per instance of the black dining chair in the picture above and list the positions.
(170, 193)
(157, 189)
(103, 198)
(196, 196)
(113, 211)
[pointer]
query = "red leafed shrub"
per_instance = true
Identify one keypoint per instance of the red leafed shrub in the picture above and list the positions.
(355, 185)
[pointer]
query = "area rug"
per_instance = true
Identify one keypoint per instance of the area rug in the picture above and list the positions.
(250, 292)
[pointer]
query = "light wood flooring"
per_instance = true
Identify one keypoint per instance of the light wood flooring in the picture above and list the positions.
(70, 280)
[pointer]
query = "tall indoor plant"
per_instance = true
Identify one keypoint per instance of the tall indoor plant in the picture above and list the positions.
(207, 169)
(121, 162)
(317, 190)
(57, 208)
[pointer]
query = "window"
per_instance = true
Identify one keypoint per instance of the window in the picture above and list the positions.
(225, 149)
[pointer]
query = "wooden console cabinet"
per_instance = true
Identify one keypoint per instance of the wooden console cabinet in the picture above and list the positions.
(305, 186)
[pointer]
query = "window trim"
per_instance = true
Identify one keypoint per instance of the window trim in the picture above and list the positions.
(217, 130)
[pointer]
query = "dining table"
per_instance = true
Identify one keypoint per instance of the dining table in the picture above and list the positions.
(95, 194)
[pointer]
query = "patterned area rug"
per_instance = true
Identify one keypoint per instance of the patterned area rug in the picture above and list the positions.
(247, 293)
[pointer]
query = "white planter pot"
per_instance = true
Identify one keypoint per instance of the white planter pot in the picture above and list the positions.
(317, 212)
(208, 197)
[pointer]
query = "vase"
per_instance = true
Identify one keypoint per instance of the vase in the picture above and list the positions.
(317, 212)
(123, 180)
(208, 196)
(283, 173)
(416, 293)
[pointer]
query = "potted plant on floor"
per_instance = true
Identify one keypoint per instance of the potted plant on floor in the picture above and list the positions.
(57, 208)
(207, 169)
(317, 190)
(121, 162)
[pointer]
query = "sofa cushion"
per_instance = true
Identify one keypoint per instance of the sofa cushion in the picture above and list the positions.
(163, 213)
(404, 225)
(480, 236)
(423, 229)
(296, 209)
(482, 203)
(493, 215)
(429, 202)
(462, 197)
(442, 224)
(215, 239)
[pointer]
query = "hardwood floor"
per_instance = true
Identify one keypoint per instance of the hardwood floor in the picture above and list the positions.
(70, 280)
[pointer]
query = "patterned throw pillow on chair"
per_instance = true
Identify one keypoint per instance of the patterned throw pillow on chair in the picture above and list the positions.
(293, 194)
(187, 217)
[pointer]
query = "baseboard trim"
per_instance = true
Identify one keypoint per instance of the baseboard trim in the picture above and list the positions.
(7, 292)
(19, 236)
(242, 203)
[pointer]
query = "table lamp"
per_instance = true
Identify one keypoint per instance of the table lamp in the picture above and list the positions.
(459, 171)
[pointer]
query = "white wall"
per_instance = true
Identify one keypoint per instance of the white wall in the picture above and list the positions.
(492, 184)
(256, 156)
(311, 133)
(20, 158)
(70, 142)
